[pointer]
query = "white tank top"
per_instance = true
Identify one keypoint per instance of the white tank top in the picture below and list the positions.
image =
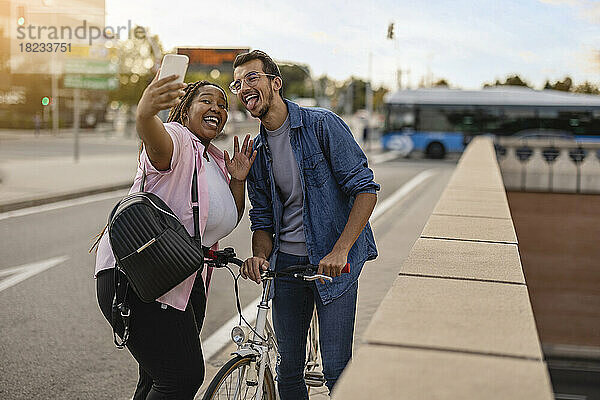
(222, 211)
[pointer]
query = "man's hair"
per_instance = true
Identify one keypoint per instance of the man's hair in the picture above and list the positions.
(269, 66)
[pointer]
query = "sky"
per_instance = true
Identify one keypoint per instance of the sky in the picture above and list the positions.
(467, 43)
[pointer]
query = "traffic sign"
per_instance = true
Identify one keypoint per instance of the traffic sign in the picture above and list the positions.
(89, 67)
(91, 82)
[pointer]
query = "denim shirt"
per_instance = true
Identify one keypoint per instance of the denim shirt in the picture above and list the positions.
(333, 170)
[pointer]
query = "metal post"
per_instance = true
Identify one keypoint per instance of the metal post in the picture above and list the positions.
(55, 109)
(349, 99)
(369, 107)
(369, 92)
(55, 72)
(76, 118)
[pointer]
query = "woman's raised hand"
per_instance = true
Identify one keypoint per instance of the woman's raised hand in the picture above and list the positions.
(242, 160)
(160, 95)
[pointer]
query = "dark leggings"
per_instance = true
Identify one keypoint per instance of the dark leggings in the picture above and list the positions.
(164, 342)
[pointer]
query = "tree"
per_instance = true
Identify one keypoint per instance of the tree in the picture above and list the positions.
(441, 83)
(297, 80)
(358, 94)
(587, 88)
(378, 97)
(515, 80)
(511, 80)
(565, 86)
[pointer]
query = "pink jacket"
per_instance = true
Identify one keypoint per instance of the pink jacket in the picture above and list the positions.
(174, 186)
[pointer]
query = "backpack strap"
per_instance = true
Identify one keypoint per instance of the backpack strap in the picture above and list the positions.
(195, 206)
(120, 308)
(142, 184)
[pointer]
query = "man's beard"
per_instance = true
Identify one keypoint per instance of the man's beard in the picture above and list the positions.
(266, 107)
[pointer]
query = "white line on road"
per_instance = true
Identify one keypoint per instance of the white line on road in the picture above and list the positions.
(383, 157)
(215, 343)
(63, 204)
(399, 194)
(23, 272)
(221, 337)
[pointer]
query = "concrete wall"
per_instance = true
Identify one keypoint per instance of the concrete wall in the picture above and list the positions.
(457, 322)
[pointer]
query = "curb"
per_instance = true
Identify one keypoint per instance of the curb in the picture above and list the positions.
(60, 197)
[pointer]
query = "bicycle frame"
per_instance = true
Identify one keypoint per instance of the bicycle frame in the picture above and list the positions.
(257, 347)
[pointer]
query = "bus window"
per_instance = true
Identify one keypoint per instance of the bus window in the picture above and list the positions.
(400, 118)
(518, 119)
(489, 119)
(447, 119)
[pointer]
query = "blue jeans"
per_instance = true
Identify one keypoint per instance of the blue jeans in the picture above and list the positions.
(293, 306)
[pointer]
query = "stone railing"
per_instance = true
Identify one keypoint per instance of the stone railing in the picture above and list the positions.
(457, 322)
(544, 165)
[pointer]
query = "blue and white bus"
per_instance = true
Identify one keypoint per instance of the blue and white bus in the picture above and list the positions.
(439, 121)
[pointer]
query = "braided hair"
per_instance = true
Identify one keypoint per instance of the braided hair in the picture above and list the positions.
(179, 112)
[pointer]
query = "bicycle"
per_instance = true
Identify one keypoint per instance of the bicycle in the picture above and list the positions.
(252, 366)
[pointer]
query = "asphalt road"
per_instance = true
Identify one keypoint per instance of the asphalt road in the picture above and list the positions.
(54, 342)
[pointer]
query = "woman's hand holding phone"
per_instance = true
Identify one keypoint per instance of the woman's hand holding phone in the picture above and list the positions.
(161, 94)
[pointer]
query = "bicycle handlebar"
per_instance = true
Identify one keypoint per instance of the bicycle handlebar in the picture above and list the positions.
(221, 258)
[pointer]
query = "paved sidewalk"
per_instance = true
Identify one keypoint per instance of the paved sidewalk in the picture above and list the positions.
(32, 182)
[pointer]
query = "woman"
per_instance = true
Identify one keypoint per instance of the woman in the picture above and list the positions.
(164, 335)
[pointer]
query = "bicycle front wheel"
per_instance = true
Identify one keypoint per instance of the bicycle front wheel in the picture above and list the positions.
(230, 382)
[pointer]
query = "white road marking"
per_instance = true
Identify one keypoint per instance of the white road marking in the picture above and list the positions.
(221, 337)
(399, 194)
(63, 204)
(23, 272)
(383, 157)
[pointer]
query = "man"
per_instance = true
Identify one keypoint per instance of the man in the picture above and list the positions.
(312, 194)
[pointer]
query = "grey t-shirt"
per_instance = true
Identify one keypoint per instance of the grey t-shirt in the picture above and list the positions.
(287, 181)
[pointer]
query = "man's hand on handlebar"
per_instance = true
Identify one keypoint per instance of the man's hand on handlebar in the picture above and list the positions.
(333, 264)
(252, 268)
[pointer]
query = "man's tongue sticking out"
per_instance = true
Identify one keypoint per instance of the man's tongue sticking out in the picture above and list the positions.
(252, 103)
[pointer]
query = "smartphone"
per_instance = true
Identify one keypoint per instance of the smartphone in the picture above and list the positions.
(174, 64)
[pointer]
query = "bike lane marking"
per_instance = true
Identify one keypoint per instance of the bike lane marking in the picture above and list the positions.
(383, 157)
(22, 272)
(400, 193)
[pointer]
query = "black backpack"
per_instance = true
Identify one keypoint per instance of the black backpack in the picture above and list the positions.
(152, 247)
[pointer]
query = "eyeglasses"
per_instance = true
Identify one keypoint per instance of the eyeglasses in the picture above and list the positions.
(251, 79)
